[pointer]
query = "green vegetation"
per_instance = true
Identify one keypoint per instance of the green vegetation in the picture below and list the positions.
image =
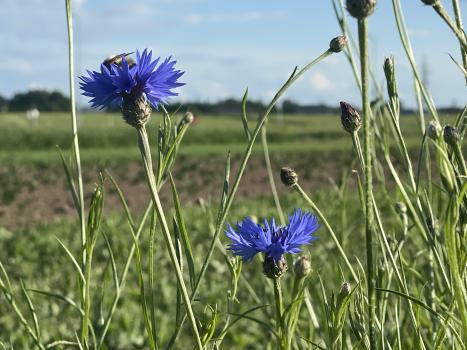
(104, 138)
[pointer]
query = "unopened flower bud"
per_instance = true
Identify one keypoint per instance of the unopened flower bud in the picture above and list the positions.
(401, 208)
(136, 110)
(430, 2)
(346, 289)
(451, 136)
(189, 117)
(350, 118)
(360, 8)
(434, 130)
(289, 177)
(273, 269)
(338, 43)
(302, 267)
(390, 76)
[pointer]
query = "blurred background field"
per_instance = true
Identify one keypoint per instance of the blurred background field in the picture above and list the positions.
(33, 184)
(36, 209)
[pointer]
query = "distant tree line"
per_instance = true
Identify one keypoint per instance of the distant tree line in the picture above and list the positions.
(55, 101)
(43, 100)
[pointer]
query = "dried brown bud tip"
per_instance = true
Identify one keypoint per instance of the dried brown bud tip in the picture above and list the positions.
(338, 43)
(136, 110)
(273, 269)
(350, 118)
(302, 267)
(451, 136)
(289, 177)
(360, 8)
(434, 130)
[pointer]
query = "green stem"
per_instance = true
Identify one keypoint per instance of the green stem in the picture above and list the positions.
(458, 16)
(267, 160)
(143, 144)
(246, 157)
(122, 279)
(363, 42)
(409, 52)
(328, 227)
(460, 158)
(74, 127)
(441, 11)
(279, 313)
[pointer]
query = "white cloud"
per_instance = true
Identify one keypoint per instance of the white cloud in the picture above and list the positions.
(249, 16)
(321, 82)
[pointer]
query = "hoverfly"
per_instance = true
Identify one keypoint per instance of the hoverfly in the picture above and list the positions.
(117, 59)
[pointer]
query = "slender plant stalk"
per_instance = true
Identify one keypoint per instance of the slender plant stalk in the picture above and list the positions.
(220, 223)
(368, 154)
(272, 184)
(441, 11)
(126, 268)
(458, 16)
(281, 329)
(318, 212)
(246, 157)
(11, 300)
(74, 126)
(398, 15)
(143, 144)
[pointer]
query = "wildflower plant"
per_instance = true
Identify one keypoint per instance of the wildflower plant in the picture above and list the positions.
(426, 294)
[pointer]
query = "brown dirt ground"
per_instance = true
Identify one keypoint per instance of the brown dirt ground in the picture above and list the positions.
(30, 195)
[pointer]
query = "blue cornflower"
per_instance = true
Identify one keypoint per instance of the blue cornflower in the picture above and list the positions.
(274, 241)
(115, 82)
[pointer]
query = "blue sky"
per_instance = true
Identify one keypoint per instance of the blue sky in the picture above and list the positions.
(224, 46)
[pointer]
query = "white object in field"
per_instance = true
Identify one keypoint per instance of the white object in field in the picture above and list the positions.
(33, 114)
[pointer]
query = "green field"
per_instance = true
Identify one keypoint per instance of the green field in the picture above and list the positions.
(35, 211)
(104, 137)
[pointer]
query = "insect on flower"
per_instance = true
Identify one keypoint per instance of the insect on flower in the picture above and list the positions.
(135, 86)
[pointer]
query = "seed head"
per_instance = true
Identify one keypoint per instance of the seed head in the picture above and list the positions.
(289, 177)
(273, 269)
(451, 136)
(302, 267)
(360, 8)
(346, 289)
(434, 130)
(338, 43)
(136, 110)
(350, 118)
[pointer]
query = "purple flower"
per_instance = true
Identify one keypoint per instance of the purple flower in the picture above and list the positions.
(107, 87)
(249, 238)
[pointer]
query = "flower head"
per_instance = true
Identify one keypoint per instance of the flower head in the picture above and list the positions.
(119, 79)
(274, 241)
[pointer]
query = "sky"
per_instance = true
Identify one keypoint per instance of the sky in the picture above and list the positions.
(225, 46)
